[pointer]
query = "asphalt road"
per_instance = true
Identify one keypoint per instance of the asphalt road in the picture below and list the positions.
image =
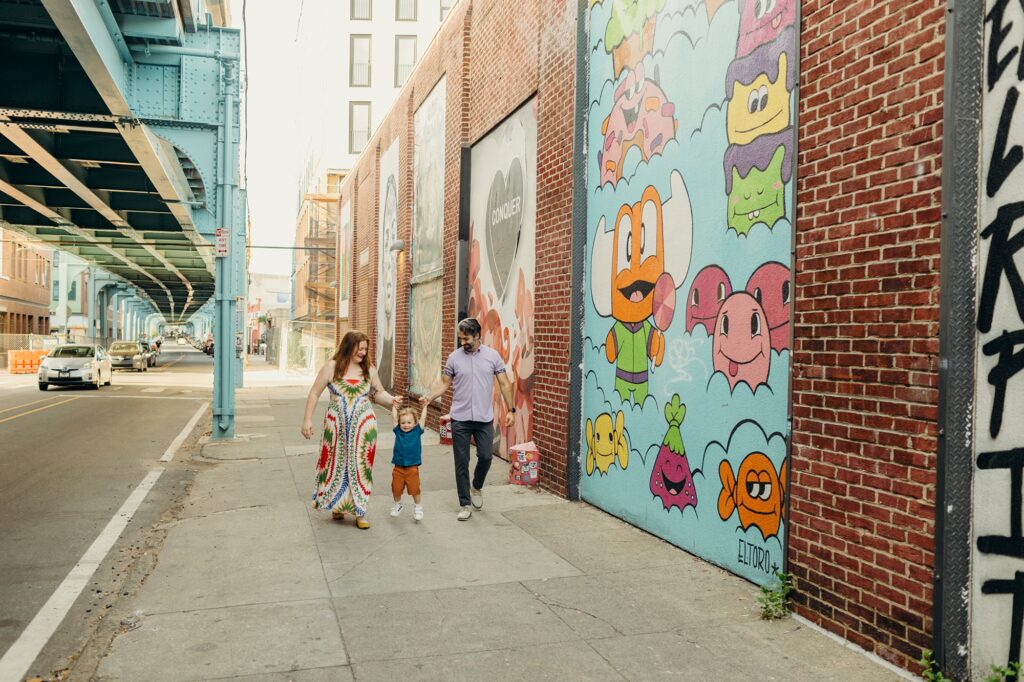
(69, 459)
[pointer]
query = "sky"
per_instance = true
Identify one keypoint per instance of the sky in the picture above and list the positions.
(273, 146)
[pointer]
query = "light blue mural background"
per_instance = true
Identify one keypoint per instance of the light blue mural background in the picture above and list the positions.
(691, 58)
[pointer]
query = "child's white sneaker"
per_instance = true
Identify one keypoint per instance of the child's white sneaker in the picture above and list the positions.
(417, 513)
(397, 509)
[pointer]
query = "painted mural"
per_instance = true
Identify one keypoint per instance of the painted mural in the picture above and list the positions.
(345, 262)
(428, 230)
(428, 184)
(502, 256)
(997, 563)
(425, 367)
(387, 271)
(687, 322)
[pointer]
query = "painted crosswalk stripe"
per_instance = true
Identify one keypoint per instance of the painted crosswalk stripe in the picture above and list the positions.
(153, 390)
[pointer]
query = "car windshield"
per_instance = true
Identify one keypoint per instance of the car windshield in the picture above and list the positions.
(123, 348)
(72, 352)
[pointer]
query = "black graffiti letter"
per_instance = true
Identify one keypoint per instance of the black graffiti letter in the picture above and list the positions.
(1002, 163)
(1000, 261)
(1008, 365)
(996, 66)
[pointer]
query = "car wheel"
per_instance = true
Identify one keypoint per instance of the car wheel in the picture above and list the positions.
(95, 386)
(42, 386)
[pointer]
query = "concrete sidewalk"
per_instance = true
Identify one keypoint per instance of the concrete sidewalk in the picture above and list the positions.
(251, 584)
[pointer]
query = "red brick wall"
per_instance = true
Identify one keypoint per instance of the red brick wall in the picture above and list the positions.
(495, 55)
(862, 504)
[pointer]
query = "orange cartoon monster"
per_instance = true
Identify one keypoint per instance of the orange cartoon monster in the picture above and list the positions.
(757, 493)
(636, 269)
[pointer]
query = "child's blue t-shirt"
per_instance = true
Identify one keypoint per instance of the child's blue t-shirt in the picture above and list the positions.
(408, 451)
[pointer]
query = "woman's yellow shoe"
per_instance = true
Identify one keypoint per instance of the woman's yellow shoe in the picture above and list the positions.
(362, 523)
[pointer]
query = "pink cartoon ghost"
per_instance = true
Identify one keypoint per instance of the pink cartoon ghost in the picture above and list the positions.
(771, 286)
(761, 21)
(742, 346)
(710, 287)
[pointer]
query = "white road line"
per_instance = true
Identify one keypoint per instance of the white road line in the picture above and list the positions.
(153, 390)
(19, 658)
(176, 443)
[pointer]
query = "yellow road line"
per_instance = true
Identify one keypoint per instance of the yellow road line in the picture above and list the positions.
(18, 407)
(166, 367)
(38, 409)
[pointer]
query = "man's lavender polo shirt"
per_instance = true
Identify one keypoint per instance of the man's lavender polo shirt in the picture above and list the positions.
(473, 382)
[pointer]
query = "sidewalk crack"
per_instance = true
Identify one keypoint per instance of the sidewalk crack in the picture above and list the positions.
(552, 604)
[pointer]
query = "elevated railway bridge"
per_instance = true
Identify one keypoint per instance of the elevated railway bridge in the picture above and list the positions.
(119, 143)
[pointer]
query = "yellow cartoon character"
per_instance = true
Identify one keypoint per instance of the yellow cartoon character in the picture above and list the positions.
(756, 492)
(606, 440)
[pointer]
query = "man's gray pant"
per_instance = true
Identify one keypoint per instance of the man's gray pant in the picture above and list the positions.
(483, 435)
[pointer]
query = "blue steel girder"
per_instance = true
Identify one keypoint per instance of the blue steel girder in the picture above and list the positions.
(115, 115)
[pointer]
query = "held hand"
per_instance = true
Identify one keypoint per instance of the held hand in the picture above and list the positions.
(510, 418)
(425, 400)
(307, 429)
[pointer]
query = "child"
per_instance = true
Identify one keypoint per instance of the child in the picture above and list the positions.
(407, 457)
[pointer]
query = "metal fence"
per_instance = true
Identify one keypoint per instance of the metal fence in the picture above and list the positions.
(300, 346)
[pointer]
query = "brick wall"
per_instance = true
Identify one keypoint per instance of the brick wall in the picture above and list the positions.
(862, 516)
(494, 55)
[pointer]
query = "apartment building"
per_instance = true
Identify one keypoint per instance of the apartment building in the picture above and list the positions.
(314, 276)
(24, 286)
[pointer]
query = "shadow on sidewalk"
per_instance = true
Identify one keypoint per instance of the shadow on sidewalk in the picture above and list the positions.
(253, 584)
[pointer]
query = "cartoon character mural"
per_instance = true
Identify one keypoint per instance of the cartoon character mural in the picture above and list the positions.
(762, 21)
(709, 290)
(641, 119)
(637, 268)
(742, 346)
(760, 87)
(756, 175)
(629, 34)
(607, 441)
(756, 493)
(731, 105)
(671, 477)
(387, 269)
(772, 287)
(502, 259)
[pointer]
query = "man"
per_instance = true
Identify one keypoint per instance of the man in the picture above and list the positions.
(472, 369)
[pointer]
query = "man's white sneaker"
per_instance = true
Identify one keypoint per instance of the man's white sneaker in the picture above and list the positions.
(397, 509)
(417, 513)
(465, 513)
(477, 498)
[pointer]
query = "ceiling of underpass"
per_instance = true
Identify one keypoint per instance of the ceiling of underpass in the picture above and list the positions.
(80, 169)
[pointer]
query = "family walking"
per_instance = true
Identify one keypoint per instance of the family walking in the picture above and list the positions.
(344, 470)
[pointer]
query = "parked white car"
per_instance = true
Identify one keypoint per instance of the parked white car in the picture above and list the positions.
(75, 365)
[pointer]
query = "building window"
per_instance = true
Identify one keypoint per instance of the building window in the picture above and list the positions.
(405, 10)
(358, 126)
(405, 58)
(359, 66)
(446, 7)
(361, 10)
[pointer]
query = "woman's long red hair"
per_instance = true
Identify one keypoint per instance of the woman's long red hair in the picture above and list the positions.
(347, 349)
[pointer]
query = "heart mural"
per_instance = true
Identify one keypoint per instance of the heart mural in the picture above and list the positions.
(504, 224)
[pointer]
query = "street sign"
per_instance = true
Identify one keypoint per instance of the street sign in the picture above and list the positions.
(222, 242)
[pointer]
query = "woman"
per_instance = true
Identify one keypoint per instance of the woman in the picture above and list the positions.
(344, 472)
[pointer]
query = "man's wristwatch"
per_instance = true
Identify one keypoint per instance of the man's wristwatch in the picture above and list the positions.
(512, 410)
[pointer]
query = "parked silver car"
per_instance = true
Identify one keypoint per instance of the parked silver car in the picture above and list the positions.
(75, 365)
(128, 355)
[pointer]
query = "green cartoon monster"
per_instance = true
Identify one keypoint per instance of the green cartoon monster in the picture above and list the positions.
(759, 195)
(629, 34)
